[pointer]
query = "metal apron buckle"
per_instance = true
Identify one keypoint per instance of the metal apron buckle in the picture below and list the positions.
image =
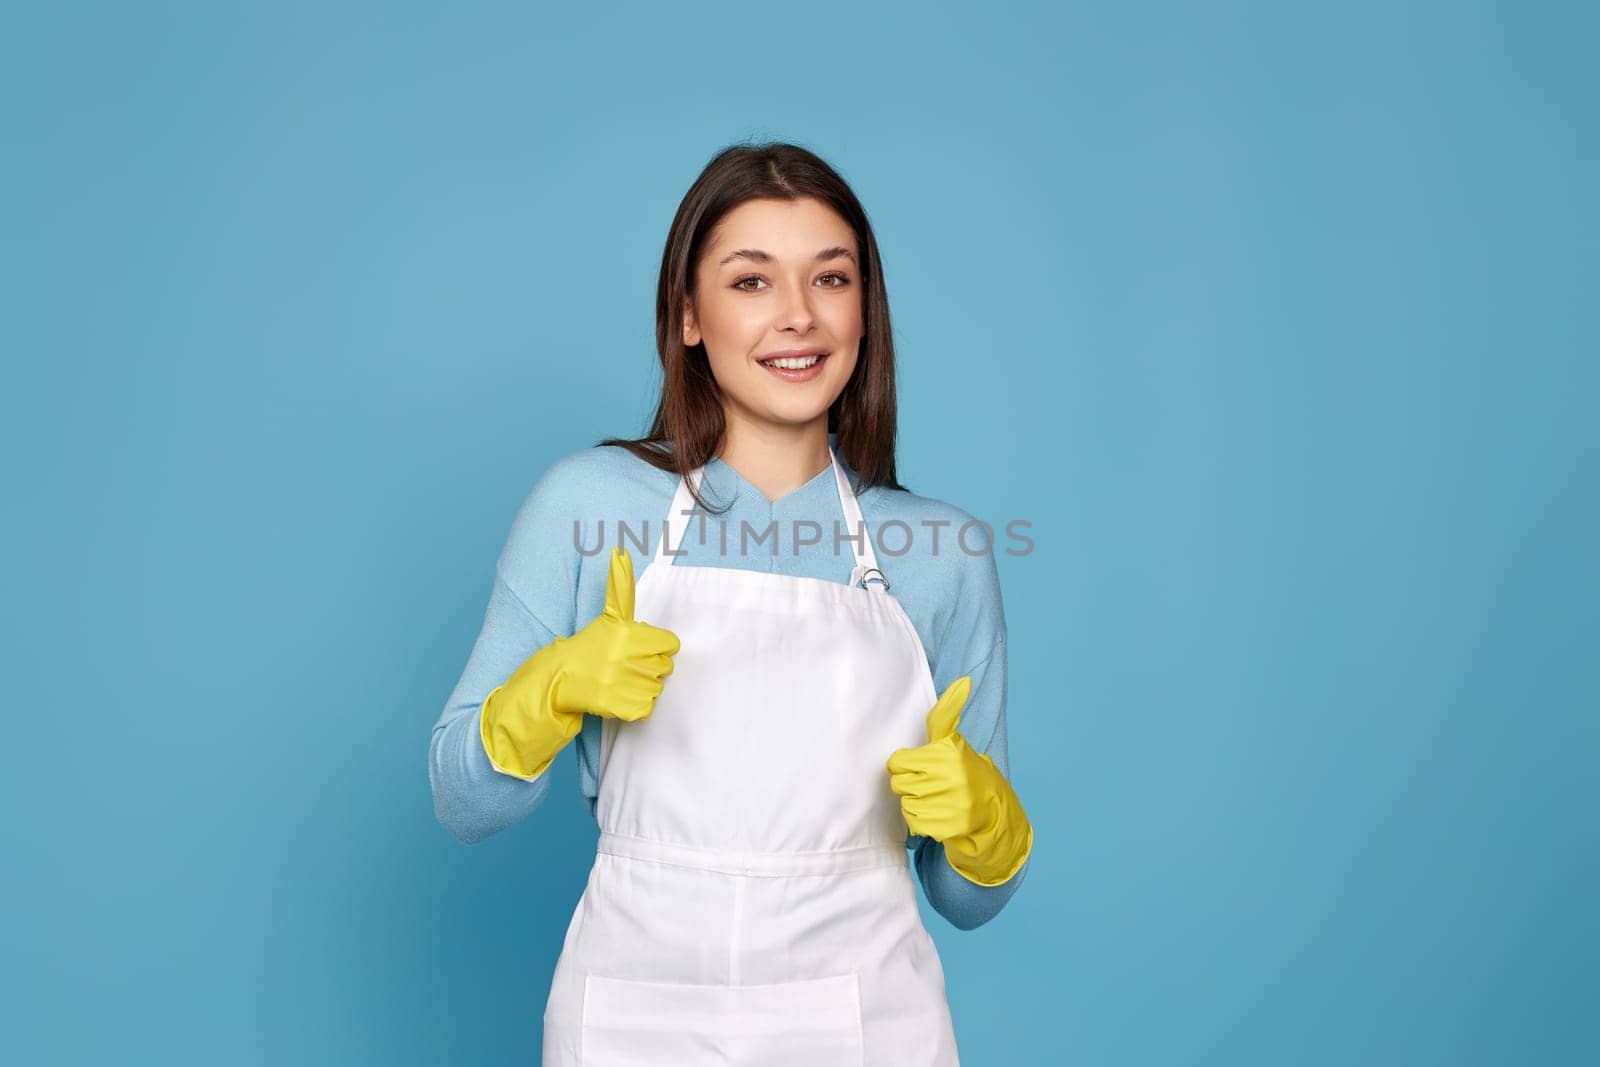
(860, 576)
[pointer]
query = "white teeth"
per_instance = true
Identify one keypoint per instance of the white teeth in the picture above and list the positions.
(792, 364)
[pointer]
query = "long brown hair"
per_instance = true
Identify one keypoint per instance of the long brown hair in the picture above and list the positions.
(689, 420)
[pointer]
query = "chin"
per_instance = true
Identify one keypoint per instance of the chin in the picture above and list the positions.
(794, 416)
(795, 410)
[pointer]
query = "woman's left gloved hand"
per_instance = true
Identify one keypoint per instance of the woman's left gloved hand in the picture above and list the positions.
(956, 795)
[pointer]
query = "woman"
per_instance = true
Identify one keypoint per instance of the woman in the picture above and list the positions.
(760, 735)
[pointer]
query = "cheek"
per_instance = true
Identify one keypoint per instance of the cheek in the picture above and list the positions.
(847, 366)
(729, 320)
(845, 319)
(728, 336)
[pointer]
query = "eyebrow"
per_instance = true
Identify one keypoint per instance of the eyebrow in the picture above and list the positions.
(766, 257)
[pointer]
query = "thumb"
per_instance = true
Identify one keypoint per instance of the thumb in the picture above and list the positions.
(946, 712)
(619, 586)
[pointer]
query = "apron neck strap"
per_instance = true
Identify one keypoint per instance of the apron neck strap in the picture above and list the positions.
(678, 518)
(854, 534)
(855, 526)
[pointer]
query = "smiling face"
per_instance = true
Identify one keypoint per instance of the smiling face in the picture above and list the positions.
(777, 275)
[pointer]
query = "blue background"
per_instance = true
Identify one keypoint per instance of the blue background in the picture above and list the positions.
(1277, 324)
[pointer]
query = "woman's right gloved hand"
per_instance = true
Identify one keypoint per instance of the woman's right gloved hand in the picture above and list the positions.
(614, 666)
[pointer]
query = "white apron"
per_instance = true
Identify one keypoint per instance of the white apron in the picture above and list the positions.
(751, 900)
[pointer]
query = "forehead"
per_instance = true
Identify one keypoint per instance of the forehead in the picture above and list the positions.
(788, 229)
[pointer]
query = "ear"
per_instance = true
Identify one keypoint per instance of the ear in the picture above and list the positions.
(691, 327)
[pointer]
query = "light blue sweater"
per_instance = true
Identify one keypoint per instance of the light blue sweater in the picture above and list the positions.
(546, 585)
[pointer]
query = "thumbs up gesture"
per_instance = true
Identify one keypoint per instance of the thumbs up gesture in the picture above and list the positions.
(616, 665)
(956, 795)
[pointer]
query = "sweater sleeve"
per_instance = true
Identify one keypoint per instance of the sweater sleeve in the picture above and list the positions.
(534, 581)
(975, 645)
(471, 798)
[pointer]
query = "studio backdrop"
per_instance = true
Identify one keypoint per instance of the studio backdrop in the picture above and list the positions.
(1272, 327)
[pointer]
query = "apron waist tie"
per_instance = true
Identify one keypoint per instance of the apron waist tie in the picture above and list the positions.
(758, 864)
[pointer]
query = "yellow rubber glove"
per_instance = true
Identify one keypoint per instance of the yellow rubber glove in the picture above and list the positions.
(954, 794)
(614, 666)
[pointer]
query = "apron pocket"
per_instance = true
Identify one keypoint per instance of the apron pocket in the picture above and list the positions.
(786, 1024)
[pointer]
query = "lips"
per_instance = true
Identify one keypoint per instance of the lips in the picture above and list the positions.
(798, 371)
(793, 353)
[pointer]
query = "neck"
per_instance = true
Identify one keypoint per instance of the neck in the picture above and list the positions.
(776, 459)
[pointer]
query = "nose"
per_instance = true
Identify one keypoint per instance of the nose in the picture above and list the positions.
(795, 312)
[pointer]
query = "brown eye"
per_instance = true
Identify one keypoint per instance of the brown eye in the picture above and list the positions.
(844, 279)
(748, 278)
